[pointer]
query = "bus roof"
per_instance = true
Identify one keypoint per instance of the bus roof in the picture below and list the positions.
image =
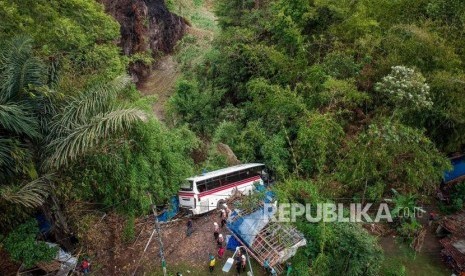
(224, 171)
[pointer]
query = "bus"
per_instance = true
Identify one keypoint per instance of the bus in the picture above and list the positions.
(201, 194)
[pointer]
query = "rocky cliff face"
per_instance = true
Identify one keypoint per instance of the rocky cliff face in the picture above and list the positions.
(145, 25)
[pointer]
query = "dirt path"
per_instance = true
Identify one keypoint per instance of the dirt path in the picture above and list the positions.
(161, 83)
(110, 255)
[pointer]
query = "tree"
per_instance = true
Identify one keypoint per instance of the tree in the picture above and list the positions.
(391, 155)
(22, 86)
(318, 139)
(87, 121)
(405, 89)
(20, 72)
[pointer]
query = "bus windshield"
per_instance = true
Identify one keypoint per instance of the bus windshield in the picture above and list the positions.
(187, 186)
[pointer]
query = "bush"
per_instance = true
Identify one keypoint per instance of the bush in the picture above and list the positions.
(408, 229)
(22, 246)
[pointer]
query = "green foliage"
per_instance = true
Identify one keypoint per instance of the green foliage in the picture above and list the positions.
(457, 199)
(409, 229)
(340, 65)
(129, 228)
(446, 122)
(194, 106)
(297, 191)
(392, 155)
(20, 72)
(58, 26)
(405, 88)
(340, 249)
(404, 206)
(393, 269)
(417, 46)
(276, 153)
(87, 121)
(144, 57)
(77, 35)
(341, 95)
(153, 159)
(318, 139)
(274, 105)
(245, 142)
(22, 246)
(231, 12)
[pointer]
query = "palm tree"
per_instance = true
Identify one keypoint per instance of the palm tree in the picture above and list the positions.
(87, 121)
(30, 119)
(21, 74)
(19, 126)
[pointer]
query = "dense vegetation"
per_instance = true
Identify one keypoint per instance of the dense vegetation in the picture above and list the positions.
(73, 126)
(352, 98)
(338, 98)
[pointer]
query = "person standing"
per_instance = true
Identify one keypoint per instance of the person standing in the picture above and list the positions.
(266, 266)
(243, 262)
(212, 263)
(85, 265)
(228, 211)
(216, 231)
(288, 268)
(238, 264)
(189, 227)
(220, 240)
(223, 217)
(221, 252)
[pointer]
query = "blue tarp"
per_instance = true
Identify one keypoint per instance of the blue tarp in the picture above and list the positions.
(172, 210)
(247, 227)
(44, 224)
(269, 195)
(232, 243)
(457, 171)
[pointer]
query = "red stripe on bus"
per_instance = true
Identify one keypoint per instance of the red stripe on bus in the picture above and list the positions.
(229, 186)
(186, 194)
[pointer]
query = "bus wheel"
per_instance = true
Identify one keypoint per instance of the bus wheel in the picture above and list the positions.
(220, 203)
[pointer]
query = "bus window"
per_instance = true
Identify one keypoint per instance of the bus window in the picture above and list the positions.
(213, 183)
(223, 180)
(201, 186)
(233, 177)
(187, 186)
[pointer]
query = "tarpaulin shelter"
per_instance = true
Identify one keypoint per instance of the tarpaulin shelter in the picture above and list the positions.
(264, 237)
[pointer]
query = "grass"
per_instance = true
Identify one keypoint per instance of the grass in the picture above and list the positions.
(398, 255)
(189, 271)
(195, 11)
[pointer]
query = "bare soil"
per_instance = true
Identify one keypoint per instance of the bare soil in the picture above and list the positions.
(161, 83)
(110, 255)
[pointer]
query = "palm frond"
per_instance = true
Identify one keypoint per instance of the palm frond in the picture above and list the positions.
(84, 138)
(96, 100)
(19, 68)
(30, 195)
(15, 158)
(17, 118)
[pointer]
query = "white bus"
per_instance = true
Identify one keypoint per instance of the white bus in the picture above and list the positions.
(206, 192)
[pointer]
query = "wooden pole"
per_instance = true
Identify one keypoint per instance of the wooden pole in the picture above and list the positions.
(157, 228)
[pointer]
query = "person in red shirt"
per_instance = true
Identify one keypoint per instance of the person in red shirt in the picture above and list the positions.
(85, 265)
(221, 252)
